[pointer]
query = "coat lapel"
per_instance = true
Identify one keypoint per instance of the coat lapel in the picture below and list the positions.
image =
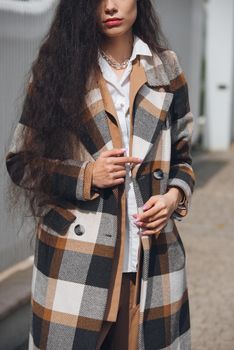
(99, 129)
(112, 118)
(98, 123)
(151, 104)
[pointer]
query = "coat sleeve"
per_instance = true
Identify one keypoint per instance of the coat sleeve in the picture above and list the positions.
(69, 179)
(181, 172)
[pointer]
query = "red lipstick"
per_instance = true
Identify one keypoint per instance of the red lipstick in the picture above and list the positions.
(113, 22)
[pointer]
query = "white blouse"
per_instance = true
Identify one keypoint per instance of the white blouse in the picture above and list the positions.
(119, 90)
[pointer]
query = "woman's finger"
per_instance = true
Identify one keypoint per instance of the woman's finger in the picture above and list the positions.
(118, 174)
(117, 152)
(124, 160)
(155, 231)
(156, 208)
(161, 214)
(117, 168)
(152, 225)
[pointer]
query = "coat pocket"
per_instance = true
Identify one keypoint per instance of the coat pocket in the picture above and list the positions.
(58, 219)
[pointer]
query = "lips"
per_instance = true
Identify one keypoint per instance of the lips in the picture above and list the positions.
(111, 22)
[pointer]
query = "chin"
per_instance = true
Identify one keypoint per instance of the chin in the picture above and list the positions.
(115, 32)
(113, 35)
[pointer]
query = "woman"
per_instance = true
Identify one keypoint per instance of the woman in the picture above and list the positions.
(102, 150)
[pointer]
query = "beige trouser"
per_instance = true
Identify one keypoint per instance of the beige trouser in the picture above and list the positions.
(122, 334)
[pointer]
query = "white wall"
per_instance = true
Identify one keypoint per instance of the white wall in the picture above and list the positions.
(219, 82)
(183, 22)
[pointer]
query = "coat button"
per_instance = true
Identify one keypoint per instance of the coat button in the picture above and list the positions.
(79, 230)
(158, 174)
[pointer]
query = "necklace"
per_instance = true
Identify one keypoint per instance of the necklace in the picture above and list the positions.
(113, 63)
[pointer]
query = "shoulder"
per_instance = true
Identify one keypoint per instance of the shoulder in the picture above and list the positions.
(173, 69)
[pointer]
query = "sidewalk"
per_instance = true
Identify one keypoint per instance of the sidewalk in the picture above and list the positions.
(207, 234)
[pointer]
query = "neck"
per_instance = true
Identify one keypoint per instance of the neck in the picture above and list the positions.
(120, 48)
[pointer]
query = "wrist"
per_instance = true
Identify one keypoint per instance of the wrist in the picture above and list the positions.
(175, 195)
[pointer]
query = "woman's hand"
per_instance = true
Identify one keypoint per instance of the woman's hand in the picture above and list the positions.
(157, 211)
(109, 169)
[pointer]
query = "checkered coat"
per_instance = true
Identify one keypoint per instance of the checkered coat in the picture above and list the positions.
(79, 241)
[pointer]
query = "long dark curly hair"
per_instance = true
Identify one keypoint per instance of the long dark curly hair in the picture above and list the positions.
(67, 58)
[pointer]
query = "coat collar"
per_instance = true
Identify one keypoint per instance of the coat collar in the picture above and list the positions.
(146, 69)
(155, 71)
(153, 66)
(155, 75)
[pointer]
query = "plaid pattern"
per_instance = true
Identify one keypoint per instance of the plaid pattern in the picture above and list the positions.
(75, 245)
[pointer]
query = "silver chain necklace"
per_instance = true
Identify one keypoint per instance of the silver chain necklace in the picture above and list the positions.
(113, 63)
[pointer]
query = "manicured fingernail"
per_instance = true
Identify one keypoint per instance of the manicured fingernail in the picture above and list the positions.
(145, 207)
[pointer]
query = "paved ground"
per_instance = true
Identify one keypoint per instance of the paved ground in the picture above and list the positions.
(207, 233)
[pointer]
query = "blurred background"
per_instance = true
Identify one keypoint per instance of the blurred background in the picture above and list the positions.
(202, 34)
